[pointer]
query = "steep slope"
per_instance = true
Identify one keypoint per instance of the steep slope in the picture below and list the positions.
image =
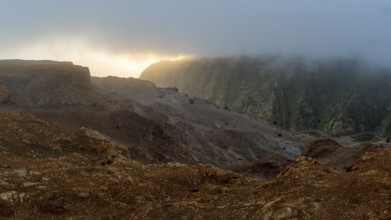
(198, 131)
(169, 128)
(48, 172)
(37, 83)
(215, 135)
(336, 96)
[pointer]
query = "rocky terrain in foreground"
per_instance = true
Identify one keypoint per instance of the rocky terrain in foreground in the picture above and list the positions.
(49, 172)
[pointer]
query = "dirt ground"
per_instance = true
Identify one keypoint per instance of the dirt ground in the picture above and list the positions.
(48, 172)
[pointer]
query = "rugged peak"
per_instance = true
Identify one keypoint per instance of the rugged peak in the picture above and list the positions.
(93, 142)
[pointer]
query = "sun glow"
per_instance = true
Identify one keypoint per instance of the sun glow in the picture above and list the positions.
(100, 62)
(125, 65)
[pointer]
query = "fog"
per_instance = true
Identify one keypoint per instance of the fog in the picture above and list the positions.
(141, 32)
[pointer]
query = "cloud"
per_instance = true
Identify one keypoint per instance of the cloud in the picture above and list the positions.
(311, 28)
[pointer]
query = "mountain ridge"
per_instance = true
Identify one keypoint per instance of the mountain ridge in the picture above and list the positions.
(338, 96)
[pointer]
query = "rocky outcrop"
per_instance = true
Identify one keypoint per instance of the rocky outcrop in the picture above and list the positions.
(330, 153)
(336, 96)
(321, 148)
(125, 88)
(28, 135)
(37, 83)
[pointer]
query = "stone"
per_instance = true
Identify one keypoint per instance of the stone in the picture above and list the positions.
(12, 196)
(21, 172)
(28, 184)
(285, 213)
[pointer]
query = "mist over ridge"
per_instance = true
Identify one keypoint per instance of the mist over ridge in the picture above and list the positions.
(336, 96)
(128, 30)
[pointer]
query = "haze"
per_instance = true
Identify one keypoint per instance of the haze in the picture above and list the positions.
(123, 37)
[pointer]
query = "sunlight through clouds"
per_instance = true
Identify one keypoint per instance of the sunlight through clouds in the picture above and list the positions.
(82, 52)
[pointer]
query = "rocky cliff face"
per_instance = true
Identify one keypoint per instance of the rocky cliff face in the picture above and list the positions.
(37, 83)
(336, 96)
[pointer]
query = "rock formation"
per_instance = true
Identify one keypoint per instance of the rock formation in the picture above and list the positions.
(37, 83)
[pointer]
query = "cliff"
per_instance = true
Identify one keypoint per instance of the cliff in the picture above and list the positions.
(36, 83)
(337, 96)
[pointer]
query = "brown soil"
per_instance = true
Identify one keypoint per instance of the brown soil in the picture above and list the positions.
(48, 172)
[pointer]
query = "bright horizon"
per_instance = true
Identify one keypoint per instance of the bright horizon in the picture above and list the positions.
(100, 63)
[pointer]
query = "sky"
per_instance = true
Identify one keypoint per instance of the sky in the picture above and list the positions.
(123, 37)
